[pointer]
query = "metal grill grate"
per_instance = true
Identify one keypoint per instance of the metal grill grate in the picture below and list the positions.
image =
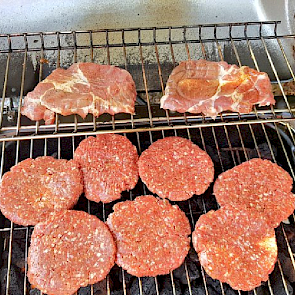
(149, 54)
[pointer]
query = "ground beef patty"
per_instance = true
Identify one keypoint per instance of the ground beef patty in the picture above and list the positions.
(259, 185)
(109, 166)
(235, 247)
(151, 235)
(69, 250)
(176, 169)
(35, 187)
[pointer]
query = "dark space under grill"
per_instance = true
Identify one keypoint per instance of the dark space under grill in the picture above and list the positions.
(229, 140)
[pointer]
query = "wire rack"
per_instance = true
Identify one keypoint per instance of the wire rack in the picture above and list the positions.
(149, 54)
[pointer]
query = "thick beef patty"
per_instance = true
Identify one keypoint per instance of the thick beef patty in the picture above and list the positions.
(35, 187)
(236, 247)
(176, 169)
(71, 249)
(151, 235)
(259, 185)
(109, 166)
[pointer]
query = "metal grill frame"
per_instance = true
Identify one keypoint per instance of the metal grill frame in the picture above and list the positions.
(269, 114)
(150, 124)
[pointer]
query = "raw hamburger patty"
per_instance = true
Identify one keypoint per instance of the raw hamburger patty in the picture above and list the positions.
(35, 187)
(176, 169)
(236, 247)
(109, 166)
(69, 250)
(81, 89)
(151, 235)
(259, 185)
(208, 87)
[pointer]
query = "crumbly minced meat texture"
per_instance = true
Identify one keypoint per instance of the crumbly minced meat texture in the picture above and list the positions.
(259, 185)
(176, 169)
(151, 236)
(71, 249)
(109, 166)
(35, 187)
(236, 247)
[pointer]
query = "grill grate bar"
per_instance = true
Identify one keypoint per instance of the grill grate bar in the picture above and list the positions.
(4, 88)
(145, 44)
(269, 144)
(217, 148)
(160, 119)
(242, 143)
(283, 278)
(285, 152)
(11, 235)
(236, 52)
(172, 282)
(288, 246)
(9, 259)
(269, 287)
(276, 75)
(145, 81)
(232, 24)
(286, 58)
(254, 140)
(218, 45)
(157, 286)
(21, 90)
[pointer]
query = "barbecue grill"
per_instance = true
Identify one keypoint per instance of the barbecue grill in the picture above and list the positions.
(149, 54)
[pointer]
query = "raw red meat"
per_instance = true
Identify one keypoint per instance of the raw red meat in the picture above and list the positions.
(175, 168)
(259, 185)
(81, 89)
(34, 188)
(151, 236)
(109, 166)
(69, 250)
(200, 86)
(236, 247)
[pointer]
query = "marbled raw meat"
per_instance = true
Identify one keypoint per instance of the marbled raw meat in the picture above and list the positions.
(200, 86)
(81, 89)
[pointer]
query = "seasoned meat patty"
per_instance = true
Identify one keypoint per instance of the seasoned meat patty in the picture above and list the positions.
(176, 169)
(259, 185)
(69, 250)
(151, 235)
(208, 87)
(81, 89)
(109, 166)
(236, 247)
(35, 187)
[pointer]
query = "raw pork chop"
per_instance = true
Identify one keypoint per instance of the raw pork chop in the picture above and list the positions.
(200, 86)
(81, 89)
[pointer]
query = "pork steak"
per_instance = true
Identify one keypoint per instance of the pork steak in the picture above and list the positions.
(81, 89)
(208, 87)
